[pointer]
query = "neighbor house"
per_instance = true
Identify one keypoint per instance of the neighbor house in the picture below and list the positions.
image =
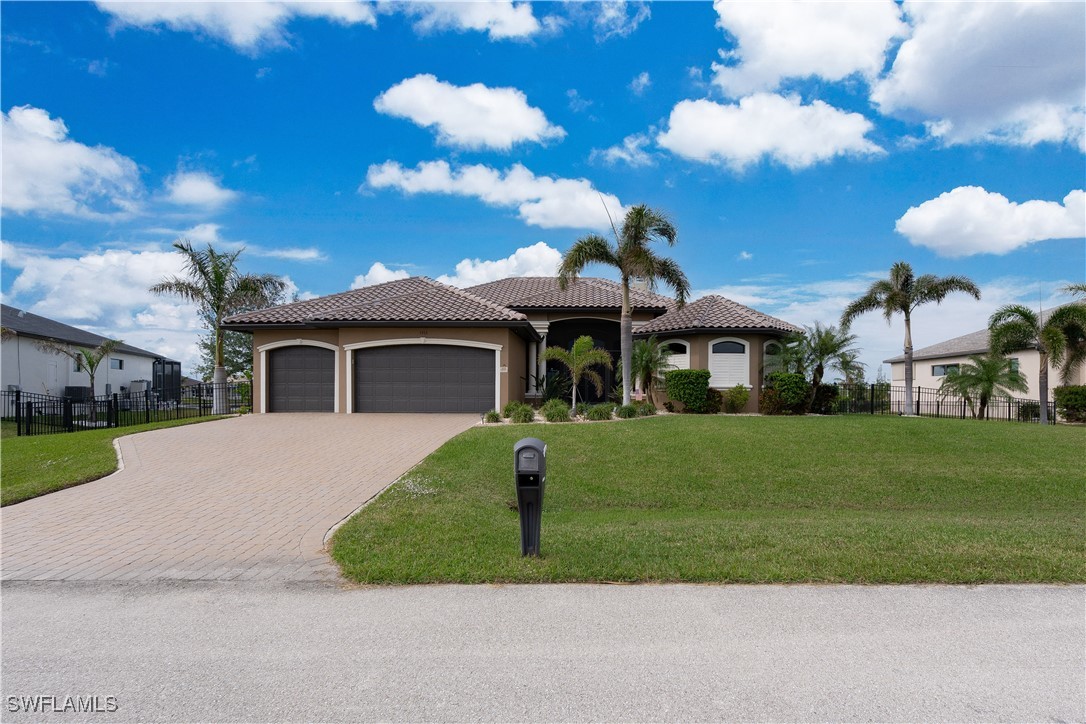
(415, 345)
(931, 364)
(24, 366)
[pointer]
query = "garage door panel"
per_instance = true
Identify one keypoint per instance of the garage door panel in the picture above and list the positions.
(424, 378)
(301, 379)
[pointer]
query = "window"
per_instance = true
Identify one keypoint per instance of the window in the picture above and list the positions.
(76, 367)
(116, 364)
(679, 350)
(729, 363)
(1014, 364)
(943, 370)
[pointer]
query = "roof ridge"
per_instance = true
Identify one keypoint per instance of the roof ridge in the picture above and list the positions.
(481, 300)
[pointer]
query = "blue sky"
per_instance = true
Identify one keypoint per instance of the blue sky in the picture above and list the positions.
(799, 149)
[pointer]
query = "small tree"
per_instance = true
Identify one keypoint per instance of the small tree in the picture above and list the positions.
(982, 377)
(86, 359)
(823, 348)
(579, 360)
(649, 361)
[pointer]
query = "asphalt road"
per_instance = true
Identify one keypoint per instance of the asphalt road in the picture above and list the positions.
(259, 652)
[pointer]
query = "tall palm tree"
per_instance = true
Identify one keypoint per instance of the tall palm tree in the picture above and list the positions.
(633, 258)
(980, 378)
(903, 292)
(1076, 289)
(648, 361)
(216, 286)
(579, 360)
(826, 347)
(1059, 337)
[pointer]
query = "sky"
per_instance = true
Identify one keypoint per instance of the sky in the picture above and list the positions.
(800, 149)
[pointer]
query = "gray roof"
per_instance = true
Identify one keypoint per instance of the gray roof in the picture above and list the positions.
(967, 344)
(714, 313)
(28, 324)
(538, 293)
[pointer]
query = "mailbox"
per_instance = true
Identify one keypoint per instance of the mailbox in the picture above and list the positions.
(530, 473)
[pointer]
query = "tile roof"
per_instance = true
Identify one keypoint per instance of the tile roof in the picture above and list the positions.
(582, 293)
(29, 324)
(715, 313)
(415, 299)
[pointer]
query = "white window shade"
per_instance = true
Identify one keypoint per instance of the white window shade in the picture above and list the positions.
(679, 357)
(729, 363)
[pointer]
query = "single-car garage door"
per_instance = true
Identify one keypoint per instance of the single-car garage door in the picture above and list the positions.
(424, 378)
(301, 379)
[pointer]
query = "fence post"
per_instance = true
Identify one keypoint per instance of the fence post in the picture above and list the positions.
(69, 423)
(872, 398)
(29, 416)
(116, 411)
(18, 412)
(917, 408)
(147, 406)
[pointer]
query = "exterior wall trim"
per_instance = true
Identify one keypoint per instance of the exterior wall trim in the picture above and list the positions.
(264, 376)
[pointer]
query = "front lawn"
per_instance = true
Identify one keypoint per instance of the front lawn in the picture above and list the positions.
(38, 464)
(744, 499)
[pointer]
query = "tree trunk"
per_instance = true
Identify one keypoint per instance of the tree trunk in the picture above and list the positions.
(220, 404)
(626, 343)
(908, 366)
(1042, 385)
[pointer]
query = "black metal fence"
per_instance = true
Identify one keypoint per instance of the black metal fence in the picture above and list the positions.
(885, 399)
(36, 414)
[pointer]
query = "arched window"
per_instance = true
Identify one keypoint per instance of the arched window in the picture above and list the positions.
(679, 350)
(771, 361)
(729, 363)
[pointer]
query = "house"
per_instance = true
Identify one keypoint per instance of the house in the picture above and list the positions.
(415, 345)
(25, 367)
(931, 364)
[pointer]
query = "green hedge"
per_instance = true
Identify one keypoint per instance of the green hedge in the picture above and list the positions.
(1071, 402)
(690, 387)
(735, 399)
(785, 394)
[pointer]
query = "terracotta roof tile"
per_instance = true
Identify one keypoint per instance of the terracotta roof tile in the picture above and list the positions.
(582, 293)
(715, 313)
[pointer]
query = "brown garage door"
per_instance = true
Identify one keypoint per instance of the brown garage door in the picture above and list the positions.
(301, 379)
(424, 378)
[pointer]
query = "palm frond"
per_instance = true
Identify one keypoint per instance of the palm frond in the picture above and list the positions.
(591, 249)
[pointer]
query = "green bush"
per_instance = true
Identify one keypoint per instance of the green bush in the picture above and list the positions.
(825, 400)
(770, 402)
(646, 409)
(690, 387)
(522, 413)
(510, 406)
(493, 416)
(582, 409)
(735, 399)
(1070, 402)
(603, 411)
(555, 411)
(792, 390)
(714, 401)
(626, 411)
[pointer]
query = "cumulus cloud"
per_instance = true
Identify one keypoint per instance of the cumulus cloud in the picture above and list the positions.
(248, 26)
(500, 19)
(1011, 73)
(378, 274)
(46, 172)
(970, 220)
(641, 83)
(539, 200)
(765, 125)
(799, 39)
(631, 152)
(473, 116)
(538, 260)
(197, 188)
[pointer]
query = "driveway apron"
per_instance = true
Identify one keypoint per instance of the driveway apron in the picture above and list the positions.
(246, 498)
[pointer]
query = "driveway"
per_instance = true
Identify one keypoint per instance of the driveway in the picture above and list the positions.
(239, 499)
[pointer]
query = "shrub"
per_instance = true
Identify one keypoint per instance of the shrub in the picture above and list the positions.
(690, 387)
(735, 399)
(669, 406)
(493, 416)
(555, 411)
(602, 411)
(510, 406)
(792, 390)
(714, 400)
(825, 400)
(646, 409)
(770, 402)
(1070, 402)
(582, 408)
(626, 411)
(522, 413)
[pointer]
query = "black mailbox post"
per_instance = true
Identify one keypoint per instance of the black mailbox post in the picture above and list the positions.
(530, 469)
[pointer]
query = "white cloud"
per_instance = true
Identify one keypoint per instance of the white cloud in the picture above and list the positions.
(538, 260)
(500, 19)
(970, 220)
(744, 256)
(577, 102)
(473, 116)
(1002, 72)
(248, 26)
(617, 18)
(631, 151)
(378, 274)
(798, 39)
(46, 172)
(641, 83)
(197, 188)
(540, 200)
(765, 125)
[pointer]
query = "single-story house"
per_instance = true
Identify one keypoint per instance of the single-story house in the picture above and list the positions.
(415, 345)
(25, 367)
(931, 364)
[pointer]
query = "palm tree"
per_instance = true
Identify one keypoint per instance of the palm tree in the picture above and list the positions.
(980, 378)
(1076, 289)
(633, 258)
(823, 348)
(1059, 336)
(648, 361)
(579, 359)
(903, 292)
(216, 286)
(86, 359)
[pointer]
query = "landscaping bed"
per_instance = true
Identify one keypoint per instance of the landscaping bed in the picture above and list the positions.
(739, 499)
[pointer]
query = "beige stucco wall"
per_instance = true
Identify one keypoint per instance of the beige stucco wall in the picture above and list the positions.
(699, 357)
(1029, 364)
(512, 354)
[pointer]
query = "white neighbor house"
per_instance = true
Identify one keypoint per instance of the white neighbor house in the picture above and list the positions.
(25, 367)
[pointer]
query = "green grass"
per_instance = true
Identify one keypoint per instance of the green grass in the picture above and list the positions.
(38, 464)
(741, 499)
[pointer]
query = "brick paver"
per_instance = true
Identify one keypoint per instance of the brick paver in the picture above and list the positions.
(248, 498)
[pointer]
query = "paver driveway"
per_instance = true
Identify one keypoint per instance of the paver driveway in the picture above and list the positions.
(245, 498)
